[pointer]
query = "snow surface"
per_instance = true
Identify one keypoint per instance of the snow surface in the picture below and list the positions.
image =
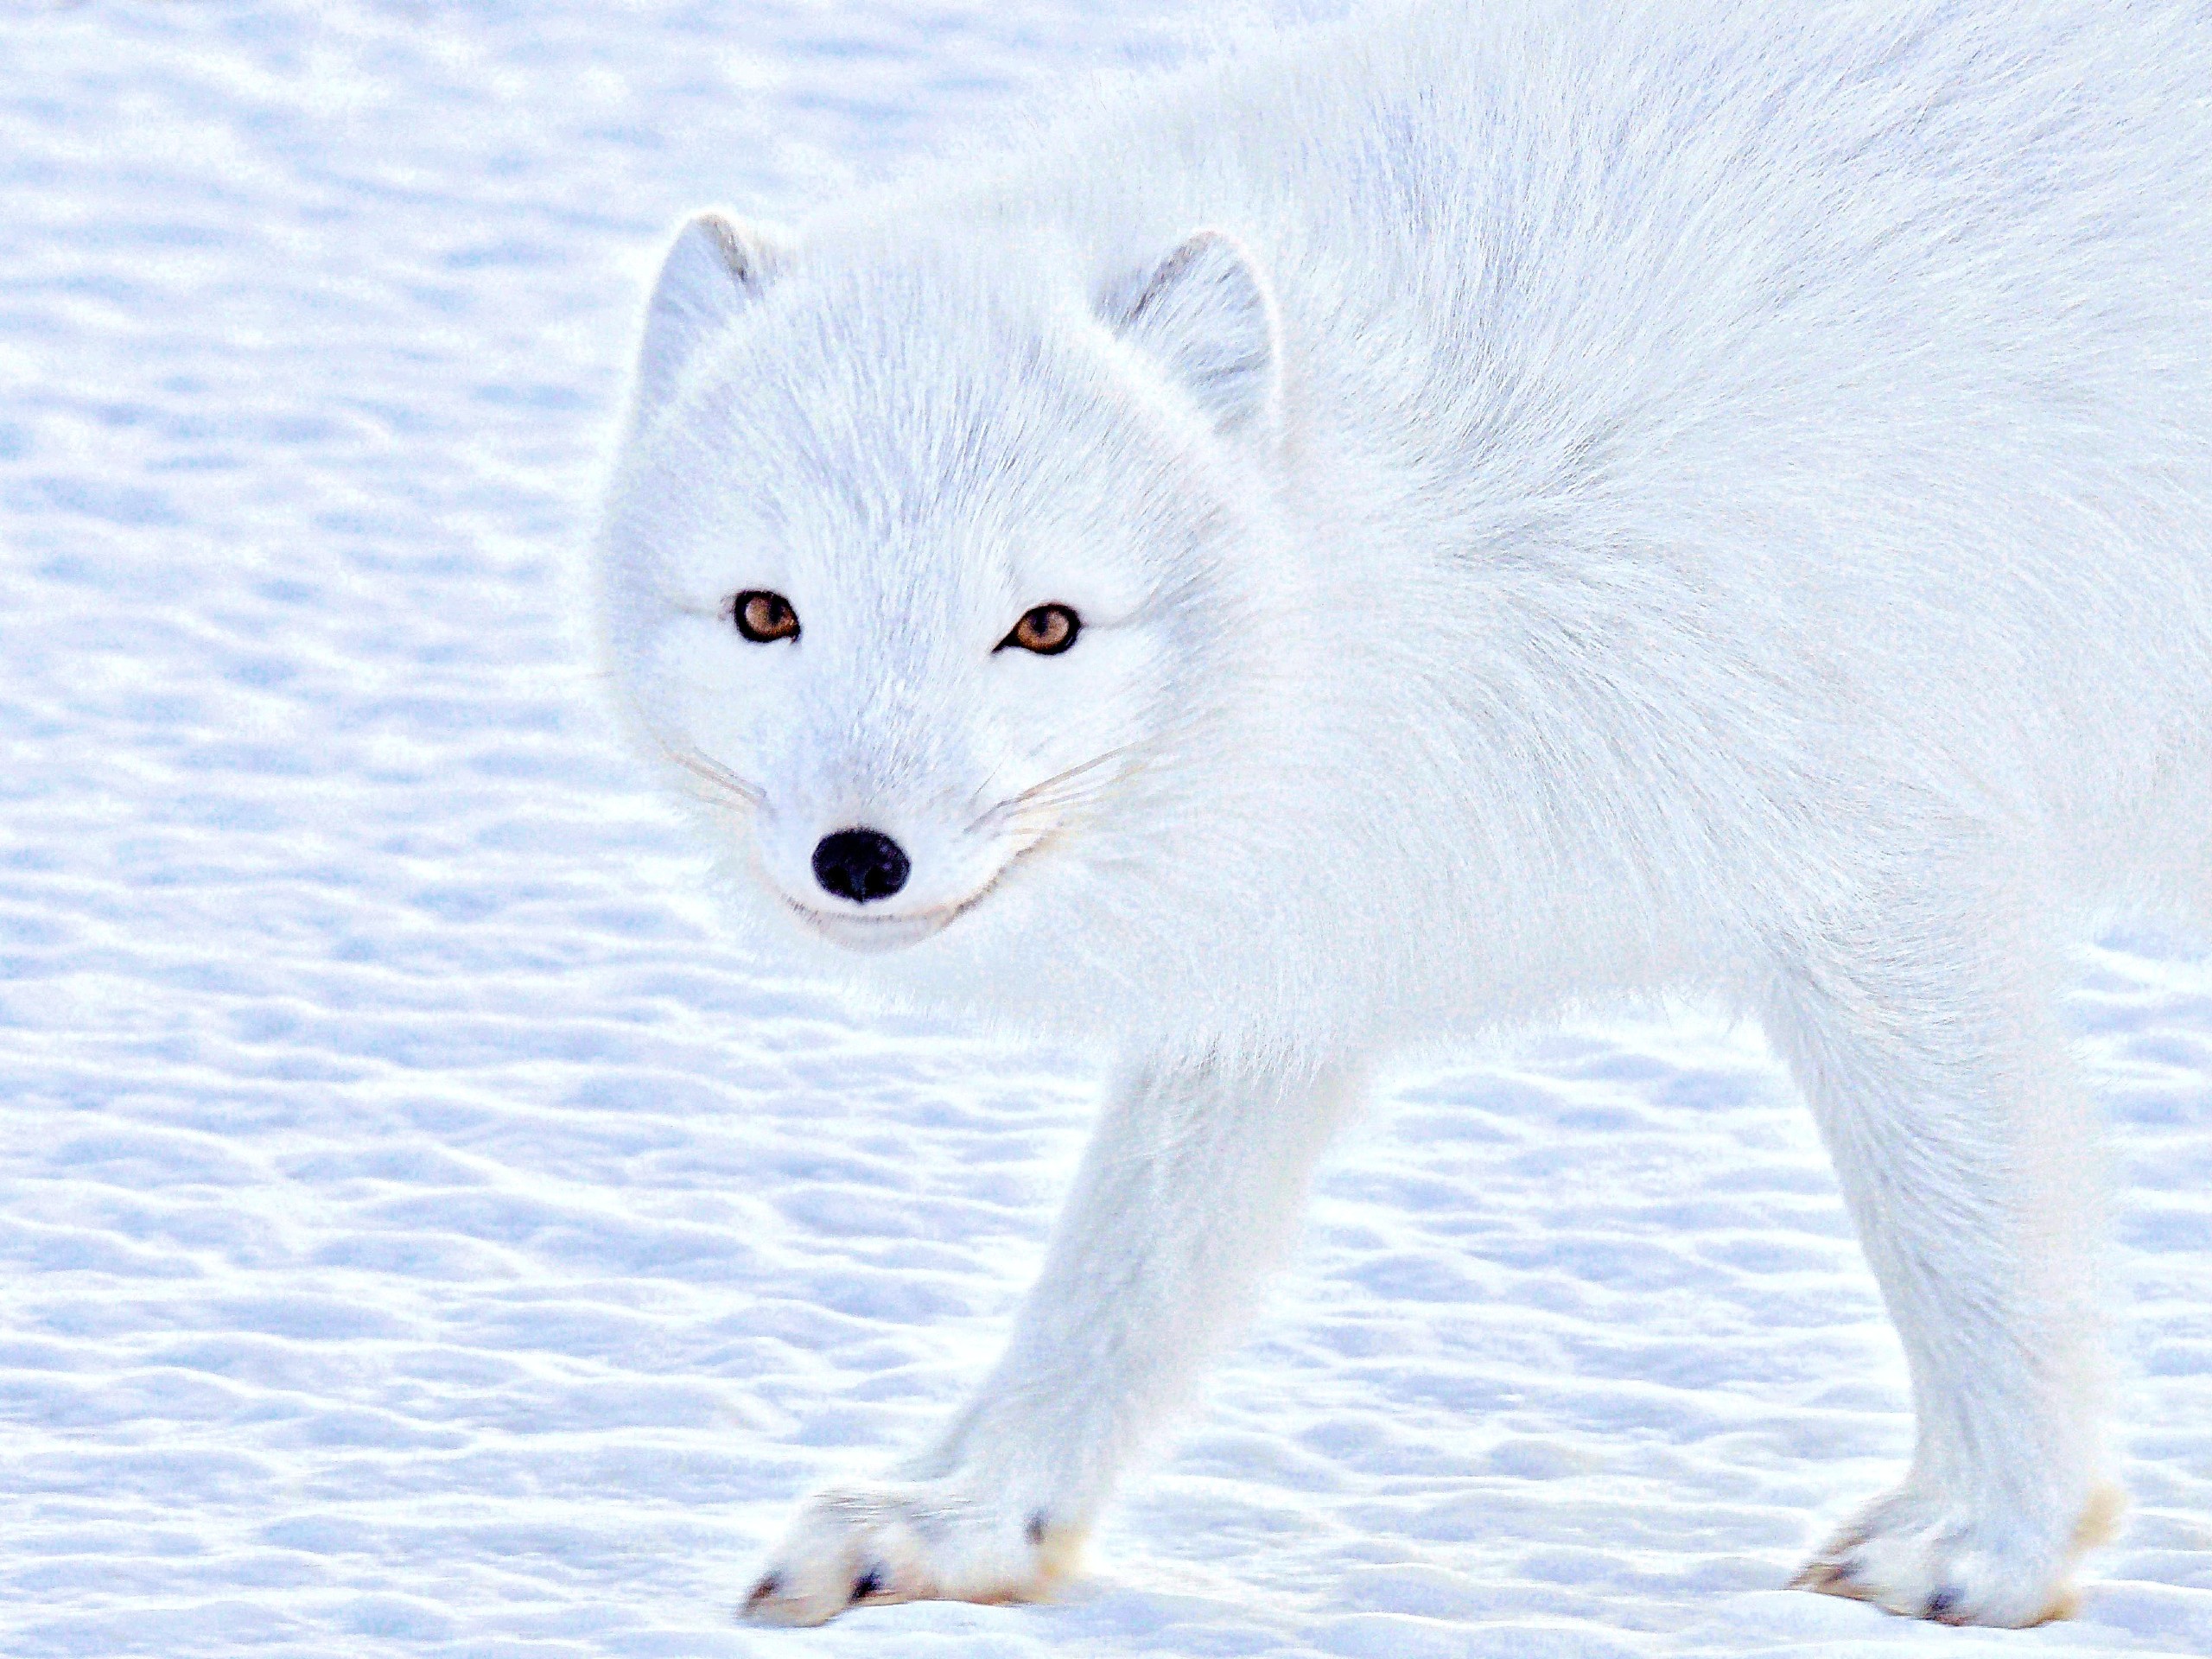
(425, 1234)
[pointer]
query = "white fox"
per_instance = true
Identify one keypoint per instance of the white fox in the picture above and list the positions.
(1432, 520)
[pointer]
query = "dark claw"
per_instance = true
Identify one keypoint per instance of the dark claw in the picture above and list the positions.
(1036, 1529)
(762, 1590)
(1829, 1576)
(866, 1585)
(1940, 1603)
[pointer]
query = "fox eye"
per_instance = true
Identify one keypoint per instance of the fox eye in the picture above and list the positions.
(762, 617)
(1048, 630)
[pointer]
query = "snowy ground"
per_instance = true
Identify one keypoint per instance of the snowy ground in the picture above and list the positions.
(423, 1233)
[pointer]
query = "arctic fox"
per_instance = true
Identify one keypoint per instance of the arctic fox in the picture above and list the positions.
(1442, 517)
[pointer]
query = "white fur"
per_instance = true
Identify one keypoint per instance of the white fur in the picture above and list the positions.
(1565, 502)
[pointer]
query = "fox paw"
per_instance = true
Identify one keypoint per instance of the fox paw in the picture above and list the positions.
(931, 1541)
(1926, 1558)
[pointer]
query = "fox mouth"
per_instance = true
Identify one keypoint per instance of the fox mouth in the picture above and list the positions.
(872, 934)
(876, 933)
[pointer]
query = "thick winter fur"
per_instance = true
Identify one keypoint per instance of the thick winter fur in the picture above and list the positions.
(1563, 502)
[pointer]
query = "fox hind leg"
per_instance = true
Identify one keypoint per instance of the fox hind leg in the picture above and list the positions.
(1922, 1029)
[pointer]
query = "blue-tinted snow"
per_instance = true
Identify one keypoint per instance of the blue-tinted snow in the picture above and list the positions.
(424, 1234)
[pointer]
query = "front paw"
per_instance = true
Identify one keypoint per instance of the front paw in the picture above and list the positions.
(1928, 1559)
(941, 1541)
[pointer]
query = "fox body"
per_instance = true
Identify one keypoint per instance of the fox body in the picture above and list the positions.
(1439, 518)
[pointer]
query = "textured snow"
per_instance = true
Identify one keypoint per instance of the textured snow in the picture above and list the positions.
(424, 1233)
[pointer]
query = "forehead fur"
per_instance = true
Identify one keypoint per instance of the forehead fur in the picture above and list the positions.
(920, 379)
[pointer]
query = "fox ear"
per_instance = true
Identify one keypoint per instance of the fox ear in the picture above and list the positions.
(1206, 314)
(715, 269)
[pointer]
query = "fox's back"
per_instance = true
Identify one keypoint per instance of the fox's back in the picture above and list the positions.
(1871, 345)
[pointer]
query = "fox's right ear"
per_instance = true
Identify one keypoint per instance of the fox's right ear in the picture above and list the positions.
(715, 269)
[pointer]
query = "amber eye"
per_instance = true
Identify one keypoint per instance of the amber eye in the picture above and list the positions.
(762, 617)
(1048, 630)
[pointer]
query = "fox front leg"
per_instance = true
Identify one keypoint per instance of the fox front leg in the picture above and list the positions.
(1190, 1190)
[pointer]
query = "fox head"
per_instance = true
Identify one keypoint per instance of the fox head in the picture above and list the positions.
(921, 569)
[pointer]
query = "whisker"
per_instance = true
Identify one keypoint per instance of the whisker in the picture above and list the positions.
(1045, 809)
(715, 773)
(1062, 789)
(1060, 779)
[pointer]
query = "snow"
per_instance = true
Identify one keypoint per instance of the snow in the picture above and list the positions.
(425, 1233)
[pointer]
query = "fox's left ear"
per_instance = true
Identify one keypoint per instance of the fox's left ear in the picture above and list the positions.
(715, 269)
(1206, 314)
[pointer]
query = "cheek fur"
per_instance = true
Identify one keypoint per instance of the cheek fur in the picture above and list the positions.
(1101, 695)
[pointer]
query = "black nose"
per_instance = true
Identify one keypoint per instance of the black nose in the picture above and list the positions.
(860, 865)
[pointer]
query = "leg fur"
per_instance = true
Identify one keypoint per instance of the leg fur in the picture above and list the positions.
(1923, 1031)
(1190, 1190)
